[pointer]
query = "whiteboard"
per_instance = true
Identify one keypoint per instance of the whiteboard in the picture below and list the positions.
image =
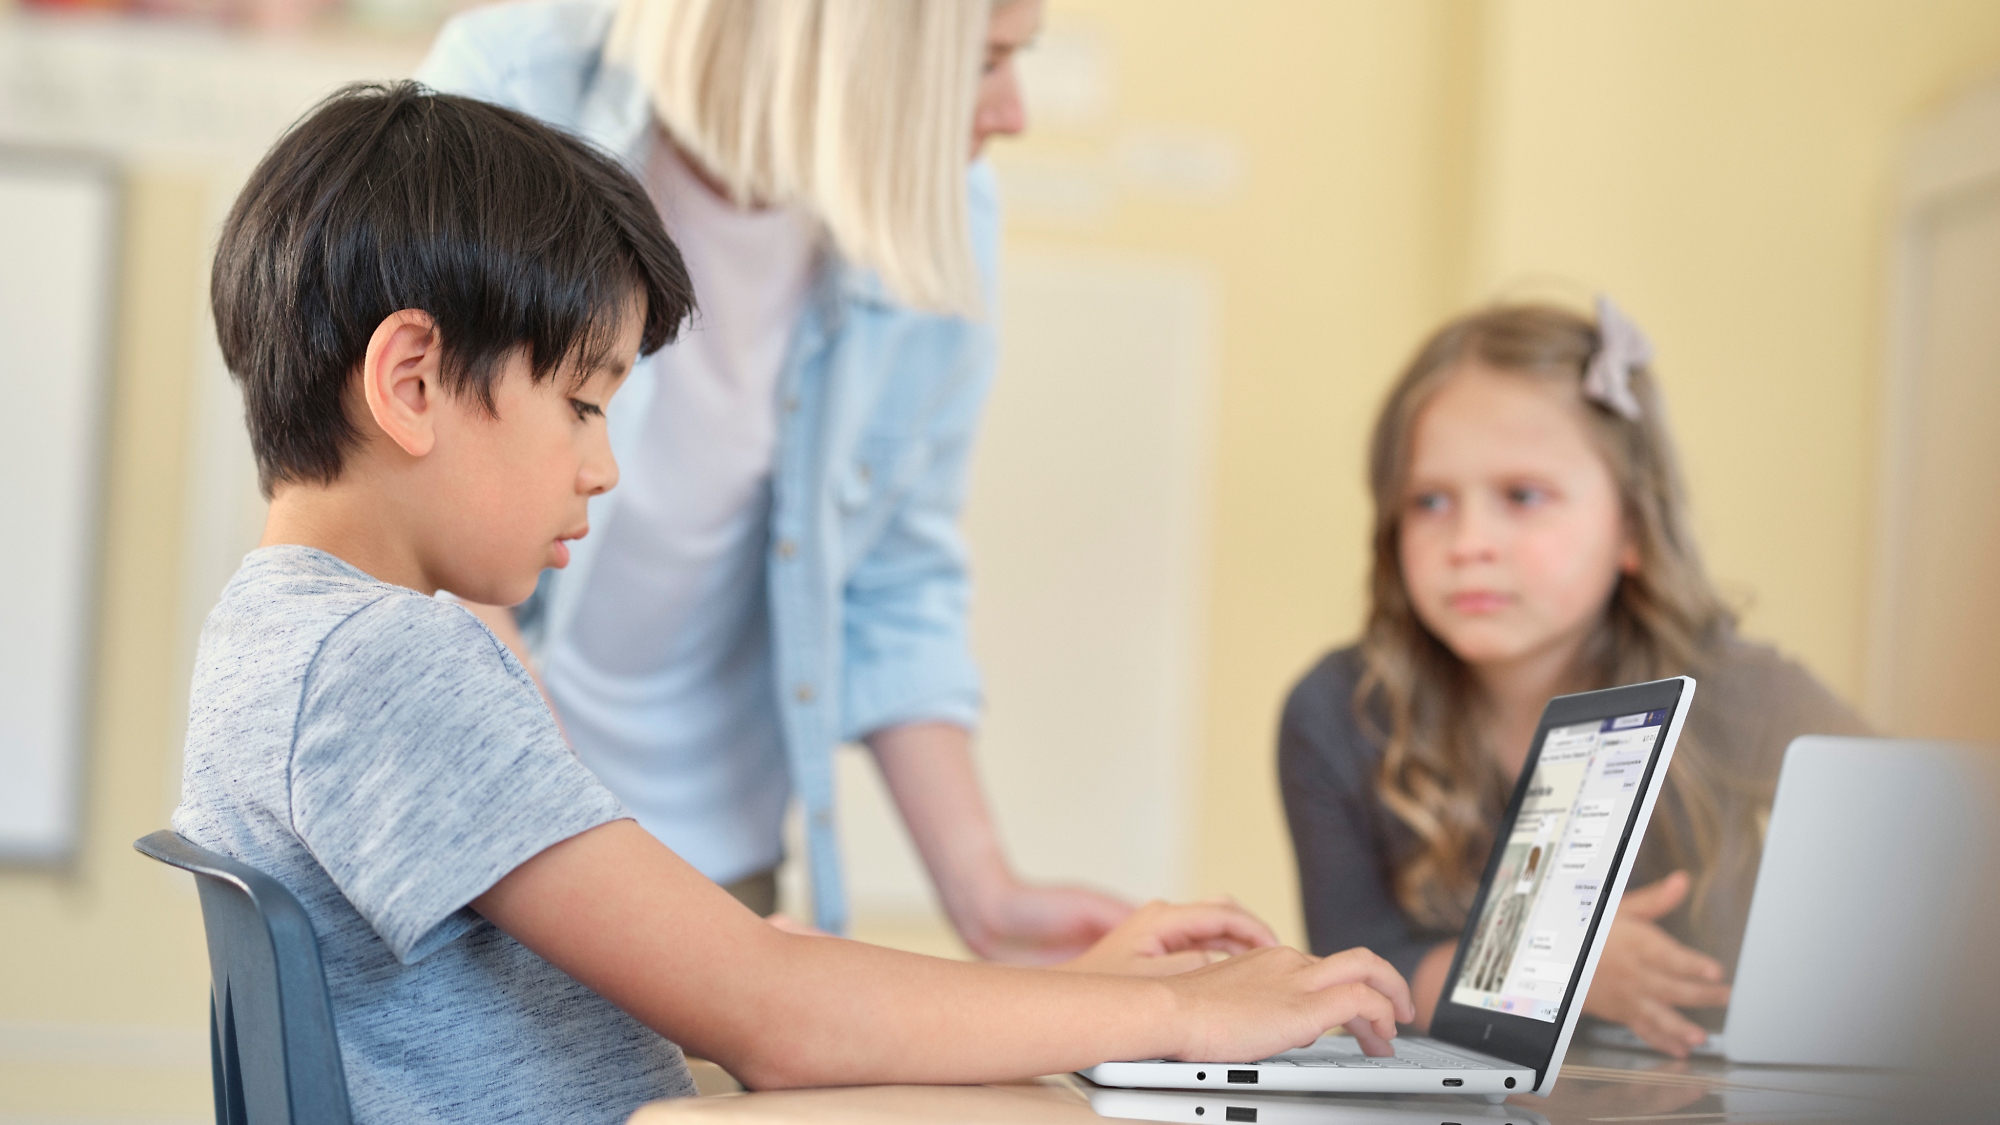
(58, 229)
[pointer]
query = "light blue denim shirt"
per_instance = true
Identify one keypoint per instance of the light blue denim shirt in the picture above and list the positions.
(866, 571)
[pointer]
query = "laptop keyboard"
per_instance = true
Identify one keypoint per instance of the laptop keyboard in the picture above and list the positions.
(1344, 1052)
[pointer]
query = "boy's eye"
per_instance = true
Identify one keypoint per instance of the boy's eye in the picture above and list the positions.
(585, 411)
(1527, 496)
(1429, 502)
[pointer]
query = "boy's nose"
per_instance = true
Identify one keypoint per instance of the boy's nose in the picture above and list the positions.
(599, 474)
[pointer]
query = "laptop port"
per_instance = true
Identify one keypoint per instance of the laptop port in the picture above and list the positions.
(1240, 1113)
(1454, 1081)
(1245, 1076)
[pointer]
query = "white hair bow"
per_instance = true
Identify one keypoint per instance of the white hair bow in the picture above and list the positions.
(1620, 348)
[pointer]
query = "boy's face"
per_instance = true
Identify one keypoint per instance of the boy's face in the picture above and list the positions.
(511, 491)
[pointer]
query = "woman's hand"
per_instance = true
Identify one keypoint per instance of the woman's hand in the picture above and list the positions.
(1037, 925)
(1271, 1000)
(1161, 938)
(1645, 976)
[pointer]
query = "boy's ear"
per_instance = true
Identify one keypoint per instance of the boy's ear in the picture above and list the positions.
(400, 379)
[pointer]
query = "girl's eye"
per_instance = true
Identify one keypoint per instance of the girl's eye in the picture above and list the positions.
(1429, 502)
(585, 411)
(1527, 496)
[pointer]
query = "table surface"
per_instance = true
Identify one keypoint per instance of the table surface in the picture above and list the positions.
(1596, 1085)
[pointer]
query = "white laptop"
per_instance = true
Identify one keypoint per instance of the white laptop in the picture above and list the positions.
(1214, 1107)
(1860, 901)
(1531, 943)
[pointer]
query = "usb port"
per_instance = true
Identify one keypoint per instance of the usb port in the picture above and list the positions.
(1247, 1076)
(1240, 1113)
(1454, 1081)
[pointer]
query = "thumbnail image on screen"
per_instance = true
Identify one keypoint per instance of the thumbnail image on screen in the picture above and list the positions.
(1554, 865)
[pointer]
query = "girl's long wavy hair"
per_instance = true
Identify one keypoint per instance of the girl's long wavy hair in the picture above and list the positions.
(1437, 776)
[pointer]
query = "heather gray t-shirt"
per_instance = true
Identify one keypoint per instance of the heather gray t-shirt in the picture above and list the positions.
(384, 757)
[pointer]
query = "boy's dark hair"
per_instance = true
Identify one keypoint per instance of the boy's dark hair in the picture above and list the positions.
(507, 232)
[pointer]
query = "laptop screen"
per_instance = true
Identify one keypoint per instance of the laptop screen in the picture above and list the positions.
(1556, 862)
(1568, 836)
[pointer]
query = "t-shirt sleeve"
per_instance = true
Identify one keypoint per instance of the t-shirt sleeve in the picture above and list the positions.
(1326, 774)
(425, 767)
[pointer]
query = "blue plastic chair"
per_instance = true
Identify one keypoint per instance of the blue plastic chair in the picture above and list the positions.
(272, 1050)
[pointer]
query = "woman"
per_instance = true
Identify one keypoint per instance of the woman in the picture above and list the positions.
(781, 569)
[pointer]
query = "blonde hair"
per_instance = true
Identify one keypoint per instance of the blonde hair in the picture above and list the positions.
(858, 111)
(1436, 776)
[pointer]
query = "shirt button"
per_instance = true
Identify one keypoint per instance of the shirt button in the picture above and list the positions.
(803, 693)
(823, 818)
(791, 403)
(787, 548)
(864, 472)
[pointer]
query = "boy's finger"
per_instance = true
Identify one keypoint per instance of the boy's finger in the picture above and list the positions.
(1366, 967)
(1373, 1009)
(1348, 1004)
(1196, 923)
(1372, 1045)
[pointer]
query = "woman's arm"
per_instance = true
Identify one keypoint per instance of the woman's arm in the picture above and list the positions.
(929, 771)
(622, 914)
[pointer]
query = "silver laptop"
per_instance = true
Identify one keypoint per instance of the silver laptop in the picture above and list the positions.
(1860, 898)
(1531, 943)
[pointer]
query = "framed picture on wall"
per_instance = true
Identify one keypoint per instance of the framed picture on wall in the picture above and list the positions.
(58, 277)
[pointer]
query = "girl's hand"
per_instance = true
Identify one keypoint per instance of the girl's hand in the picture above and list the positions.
(1270, 1000)
(1645, 976)
(1163, 938)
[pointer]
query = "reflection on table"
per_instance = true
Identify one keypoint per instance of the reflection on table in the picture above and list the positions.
(1597, 1085)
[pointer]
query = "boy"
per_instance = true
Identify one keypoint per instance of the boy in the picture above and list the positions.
(429, 302)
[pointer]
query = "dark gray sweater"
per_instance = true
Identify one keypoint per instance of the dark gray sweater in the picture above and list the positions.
(1751, 703)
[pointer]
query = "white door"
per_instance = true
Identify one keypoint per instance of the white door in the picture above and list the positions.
(1936, 643)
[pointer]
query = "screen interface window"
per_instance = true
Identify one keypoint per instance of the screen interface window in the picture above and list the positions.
(1530, 935)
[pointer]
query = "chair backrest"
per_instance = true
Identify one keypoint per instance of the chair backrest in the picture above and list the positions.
(272, 1050)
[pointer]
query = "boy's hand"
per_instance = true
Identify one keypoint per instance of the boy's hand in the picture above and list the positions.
(1162, 938)
(1645, 977)
(1270, 1000)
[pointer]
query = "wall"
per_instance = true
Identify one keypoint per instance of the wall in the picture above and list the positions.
(1723, 168)
(1345, 173)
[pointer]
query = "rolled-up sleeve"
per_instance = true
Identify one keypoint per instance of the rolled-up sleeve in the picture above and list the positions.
(907, 644)
(908, 652)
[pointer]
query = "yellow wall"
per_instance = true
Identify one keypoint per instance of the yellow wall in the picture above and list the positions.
(1721, 166)
(115, 942)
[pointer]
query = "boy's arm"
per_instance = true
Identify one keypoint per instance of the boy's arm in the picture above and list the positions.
(618, 911)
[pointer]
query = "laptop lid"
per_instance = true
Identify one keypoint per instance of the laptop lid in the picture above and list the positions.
(1560, 859)
(1872, 846)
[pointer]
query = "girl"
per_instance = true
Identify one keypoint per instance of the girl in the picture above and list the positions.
(1532, 539)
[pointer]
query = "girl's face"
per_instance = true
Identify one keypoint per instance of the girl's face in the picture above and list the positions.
(1512, 538)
